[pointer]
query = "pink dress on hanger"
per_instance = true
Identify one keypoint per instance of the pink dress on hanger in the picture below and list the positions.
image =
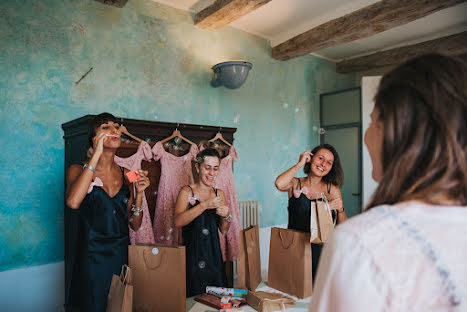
(144, 235)
(175, 173)
(225, 182)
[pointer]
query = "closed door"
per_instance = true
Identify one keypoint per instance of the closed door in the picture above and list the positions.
(341, 121)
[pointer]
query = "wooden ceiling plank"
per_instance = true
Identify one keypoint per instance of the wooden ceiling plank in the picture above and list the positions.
(223, 12)
(359, 24)
(454, 45)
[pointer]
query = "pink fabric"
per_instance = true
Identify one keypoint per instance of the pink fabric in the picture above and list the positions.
(144, 235)
(225, 182)
(297, 193)
(175, 173)
(96, 182)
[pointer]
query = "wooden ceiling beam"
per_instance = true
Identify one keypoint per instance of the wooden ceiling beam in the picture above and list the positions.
(359, 24)
(454, 45)
(223, 12)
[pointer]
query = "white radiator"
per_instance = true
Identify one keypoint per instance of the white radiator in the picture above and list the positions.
(249, 215)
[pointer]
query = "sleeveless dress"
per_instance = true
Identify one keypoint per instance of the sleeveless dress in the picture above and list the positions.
(299, 219)
(204, 266)
(103, 246)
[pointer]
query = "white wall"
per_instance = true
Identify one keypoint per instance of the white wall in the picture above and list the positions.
(38, 289)
(369, 87)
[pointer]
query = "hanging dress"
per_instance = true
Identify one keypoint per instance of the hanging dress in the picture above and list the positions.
(299, 218)
(225, 182)
(176, 172)
(103, 245)
(204, 266)
(145, 234)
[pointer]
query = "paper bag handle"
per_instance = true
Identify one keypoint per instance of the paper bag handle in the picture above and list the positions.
(124, 273)
(282, 240)
(158, 259)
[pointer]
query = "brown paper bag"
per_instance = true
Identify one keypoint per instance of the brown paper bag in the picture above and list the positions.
(249, 261)
(290, 262)
(321, 221)
(158, 276)
(120, 297)
(266, 302)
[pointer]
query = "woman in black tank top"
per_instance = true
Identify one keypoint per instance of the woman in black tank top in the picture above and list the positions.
(324, 176)
(200, 211)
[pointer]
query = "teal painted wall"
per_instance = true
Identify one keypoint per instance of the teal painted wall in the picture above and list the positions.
(149, 62)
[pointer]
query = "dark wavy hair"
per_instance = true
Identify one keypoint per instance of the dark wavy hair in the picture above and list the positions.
(200, 157)
(422, 106)
(96, 122)
(336, 174)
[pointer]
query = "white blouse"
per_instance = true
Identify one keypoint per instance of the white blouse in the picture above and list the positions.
(407, 257)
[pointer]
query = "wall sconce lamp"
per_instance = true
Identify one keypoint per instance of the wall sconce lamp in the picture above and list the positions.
(230, 74)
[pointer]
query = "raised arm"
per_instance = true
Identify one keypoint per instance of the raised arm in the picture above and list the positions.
(225, 217)
(284, 182)
(137, 199)
(336, 204)
(79, 179)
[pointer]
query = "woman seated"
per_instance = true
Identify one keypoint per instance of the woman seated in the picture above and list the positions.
(408, 251)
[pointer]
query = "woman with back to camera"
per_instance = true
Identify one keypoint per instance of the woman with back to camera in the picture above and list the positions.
(324, 176)
(201, 210)
(408, 251)
(106, 204)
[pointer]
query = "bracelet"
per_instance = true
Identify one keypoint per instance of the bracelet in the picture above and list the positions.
(136, 210)
(227, 219)
(89, 167)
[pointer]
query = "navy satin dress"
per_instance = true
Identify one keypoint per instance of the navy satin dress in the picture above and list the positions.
(204, 266)
(103, 247)
(299, 220)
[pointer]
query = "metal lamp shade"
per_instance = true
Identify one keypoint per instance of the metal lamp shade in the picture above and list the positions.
(230, 74)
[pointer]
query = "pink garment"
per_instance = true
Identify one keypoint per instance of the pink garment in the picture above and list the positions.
(225, 182)
(297, 193)
(96, 182)
(144, 235)
(175, 173)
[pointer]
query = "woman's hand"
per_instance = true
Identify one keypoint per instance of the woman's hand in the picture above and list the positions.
(143, 182)
(336, 204)
(212, 203)
(223, 211)
(98, 143)
(304, 158)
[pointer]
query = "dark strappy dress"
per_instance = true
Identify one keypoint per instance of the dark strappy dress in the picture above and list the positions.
(204, 266)
(103, 246)
(299, 220)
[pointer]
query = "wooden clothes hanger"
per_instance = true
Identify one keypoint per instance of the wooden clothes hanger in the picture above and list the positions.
(124, 130)
(219, 136)
(175, 134)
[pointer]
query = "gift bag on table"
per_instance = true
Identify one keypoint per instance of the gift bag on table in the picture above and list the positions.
(321, 221)
(290, 262)
(249, 261)
(120, 297)
(158, 276)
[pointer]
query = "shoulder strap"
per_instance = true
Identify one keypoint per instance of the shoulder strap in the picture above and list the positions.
(329, 187)
(192, 193)
(215, 191)
(299, 184)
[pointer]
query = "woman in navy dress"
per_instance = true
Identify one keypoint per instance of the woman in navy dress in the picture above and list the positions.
(201, 211)
(106, 205)
(324, 175)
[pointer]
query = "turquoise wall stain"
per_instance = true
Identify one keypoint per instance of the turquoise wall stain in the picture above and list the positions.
(149, 62)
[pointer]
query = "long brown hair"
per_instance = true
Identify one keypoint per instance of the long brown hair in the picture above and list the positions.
(336, 174)
(422, 105)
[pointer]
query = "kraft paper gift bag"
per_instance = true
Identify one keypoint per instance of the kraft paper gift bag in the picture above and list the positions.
(267, 302)
(290, 262)
(158, 276)
(120, 297)
(249, 261)
(321, 221)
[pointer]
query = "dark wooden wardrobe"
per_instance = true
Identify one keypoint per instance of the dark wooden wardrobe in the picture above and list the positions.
(76, 146)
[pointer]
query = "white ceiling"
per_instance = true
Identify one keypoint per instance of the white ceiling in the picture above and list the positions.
(280, 20)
